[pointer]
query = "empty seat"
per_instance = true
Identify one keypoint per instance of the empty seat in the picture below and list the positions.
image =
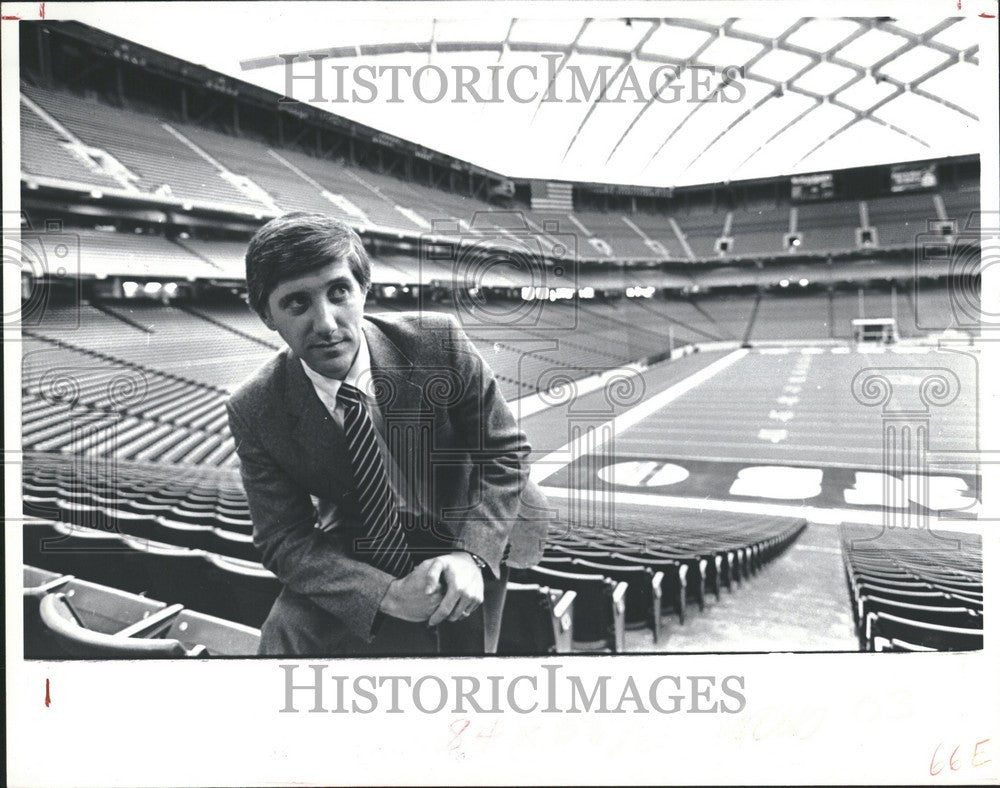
(674, 583)
(64, 621)
(536, 620)
(924, 613)
(218, 637)
(643, 598)
(241, 591)
(38, 643)
(598, 611)
(887, 627)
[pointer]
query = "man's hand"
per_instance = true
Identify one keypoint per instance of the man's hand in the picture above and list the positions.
(412, 598)
(463, 580)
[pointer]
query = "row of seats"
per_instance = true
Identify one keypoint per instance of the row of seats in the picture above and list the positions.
(190, 162)
(915, 590)
(65, 616)
(188, 538)
(630, 581)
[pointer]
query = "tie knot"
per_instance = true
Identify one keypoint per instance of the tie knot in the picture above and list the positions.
(348, 394)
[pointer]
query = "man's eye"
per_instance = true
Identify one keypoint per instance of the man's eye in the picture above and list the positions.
(339, 292)
(296, 306)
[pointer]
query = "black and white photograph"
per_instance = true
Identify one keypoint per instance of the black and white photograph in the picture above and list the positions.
(435, 377)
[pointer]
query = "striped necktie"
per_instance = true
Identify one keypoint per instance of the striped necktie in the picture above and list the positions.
(386, 546)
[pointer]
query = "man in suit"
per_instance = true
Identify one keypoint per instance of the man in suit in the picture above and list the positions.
(386, 477)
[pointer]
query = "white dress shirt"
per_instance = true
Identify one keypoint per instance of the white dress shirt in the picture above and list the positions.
(359, 376)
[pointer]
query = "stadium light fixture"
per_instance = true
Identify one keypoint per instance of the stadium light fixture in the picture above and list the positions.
(170, 288)
(152, 288)
(803, 282)
(586, 292)
(96, 194)
(130, 289)
(784, 283)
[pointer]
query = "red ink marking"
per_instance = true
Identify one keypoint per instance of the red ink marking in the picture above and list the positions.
(7, 18)
(48, 700)
(454, 744)
(41, 9)
(987, 16)
(959, 5)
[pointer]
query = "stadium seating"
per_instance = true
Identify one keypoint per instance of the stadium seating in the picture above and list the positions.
(915, 586)
(38, 643)
(156, 160)
(644, 590)
(536, 620)
(63, 621)
(598, 609)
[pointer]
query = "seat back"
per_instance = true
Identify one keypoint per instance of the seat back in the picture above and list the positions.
(921, 633)
(218, 637)
(598, 613)
(108, 610)
(638, 599)
(241, 591)
(76, 640)
(526, 628)
(948, 616)
(38, 642)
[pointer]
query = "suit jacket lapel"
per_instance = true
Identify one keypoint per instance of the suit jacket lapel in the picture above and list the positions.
(397, 396)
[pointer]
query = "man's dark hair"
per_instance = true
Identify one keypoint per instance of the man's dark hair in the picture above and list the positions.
(300, 243)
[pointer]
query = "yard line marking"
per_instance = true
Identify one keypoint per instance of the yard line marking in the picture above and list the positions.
(530, 404)
(814, 514)
(593, 439)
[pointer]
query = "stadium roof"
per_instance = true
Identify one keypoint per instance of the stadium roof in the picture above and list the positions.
(636, 101)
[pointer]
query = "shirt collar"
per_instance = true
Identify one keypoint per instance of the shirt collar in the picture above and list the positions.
(360, 371)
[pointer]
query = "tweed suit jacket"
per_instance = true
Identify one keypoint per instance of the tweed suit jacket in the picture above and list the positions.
(448, 429)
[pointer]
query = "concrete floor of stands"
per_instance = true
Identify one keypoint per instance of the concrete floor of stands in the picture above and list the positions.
(797, 602)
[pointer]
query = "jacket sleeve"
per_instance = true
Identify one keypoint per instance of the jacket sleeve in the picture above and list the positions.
(303, 558)
(499, 451)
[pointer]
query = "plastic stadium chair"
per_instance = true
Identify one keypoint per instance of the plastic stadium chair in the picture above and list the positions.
(536, 620)
(77, 640)
(643, 599)
(598, 611)
(924, 613)
(675, 576)
(934, 636)
(38, 643)
(895, 644)
(218, 637)
(241, 591)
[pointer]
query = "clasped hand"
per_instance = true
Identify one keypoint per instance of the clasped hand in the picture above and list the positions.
(448, 587)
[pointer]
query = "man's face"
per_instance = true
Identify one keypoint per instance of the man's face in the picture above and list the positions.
(319, 315)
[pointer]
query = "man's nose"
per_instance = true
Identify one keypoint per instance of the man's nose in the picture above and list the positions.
(325, 319)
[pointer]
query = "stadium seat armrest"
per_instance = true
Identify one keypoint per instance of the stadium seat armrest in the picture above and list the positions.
(152, 625)
(618, 612)
(565, 603)
(53, 585)
(562, 622)
(656, 614)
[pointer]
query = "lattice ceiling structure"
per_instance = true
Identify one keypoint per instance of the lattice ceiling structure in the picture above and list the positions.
(819, 93)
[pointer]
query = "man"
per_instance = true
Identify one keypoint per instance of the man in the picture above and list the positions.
(386, 477)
